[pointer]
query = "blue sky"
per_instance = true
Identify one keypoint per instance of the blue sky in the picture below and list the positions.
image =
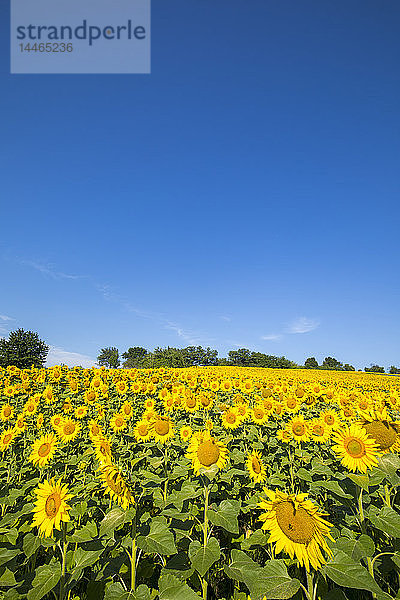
(245, 194)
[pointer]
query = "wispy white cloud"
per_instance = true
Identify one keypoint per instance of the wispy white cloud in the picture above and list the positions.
(273, 337)
(6, 318)
(302, 325)
(49, 270)
(225, 318)
(58, 356)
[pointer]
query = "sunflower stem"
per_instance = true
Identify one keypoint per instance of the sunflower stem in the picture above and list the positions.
(64, 556)
(204, 583)
(310, 585)
(364, 530)
(387, 496)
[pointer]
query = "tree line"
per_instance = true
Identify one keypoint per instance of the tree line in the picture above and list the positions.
(191, 356)
(24, 349)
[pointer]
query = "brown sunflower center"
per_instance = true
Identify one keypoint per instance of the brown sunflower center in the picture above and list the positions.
(52, 505)
(298, 429)
(318, 430)
(300, 392)
(355, 447)
(44, 449)
(119, 422)
(205, 401)
(230, 417)
(190, 402)
(255, 463)
(291, 403)
(91, 395)
(7, 438)
(208, 453)
(127, 410)
(69, 428)
(7, 411)
(297, 525)
(383, 433)
(329, 419)
(162, 427)
(258, 413)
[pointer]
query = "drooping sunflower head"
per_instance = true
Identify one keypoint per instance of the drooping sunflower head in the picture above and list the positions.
(115, 485)
(50, 507)
(127, 410)
(256, 467)
(380, 427)
(296, 526)
(205, 451)
(102, 449)
(94, 429)
(356, 449)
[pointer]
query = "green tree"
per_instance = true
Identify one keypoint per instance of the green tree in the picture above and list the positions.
(109, 357)
(348, 367)
(394, 370)
(240, 357)
(332, 363)
(134, 357)
(311, 363)
(374, 369)
(23, 349)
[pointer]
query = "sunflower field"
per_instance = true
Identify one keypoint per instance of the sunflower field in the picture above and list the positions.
(207, 482)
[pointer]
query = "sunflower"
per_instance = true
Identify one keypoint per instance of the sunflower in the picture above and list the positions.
(142, 431)
(190, 403)
(6, 438)
(43, 449)
(90, 396)
(48, 395)
(73, 386)
(296, 526)
(299, 429)
(81, 411)
(255, 467)
(117, 423)
(284, 435)
(292, 404)
(51, 507)
(127, 410)
(205, 451)
(185, 433)
(115, 485)
(162, 429)
(30, 407)
(205, 401)
(230, 419)
(94, 429)
(102, 449)
(56, 421)
(382, 429)
(6, 412)
(259, 414)
(331, 418)
(39, 420)
(319, 431)
(69, 430)
(121, 387)
(356, 448)
(20, 424)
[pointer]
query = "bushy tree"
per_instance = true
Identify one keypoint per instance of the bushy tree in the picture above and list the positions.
(134, 357)
(311, 363)
(374, 369)
(394, 370)
(23, 349)
(348, 367)
(332, 363)
(109, 357)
